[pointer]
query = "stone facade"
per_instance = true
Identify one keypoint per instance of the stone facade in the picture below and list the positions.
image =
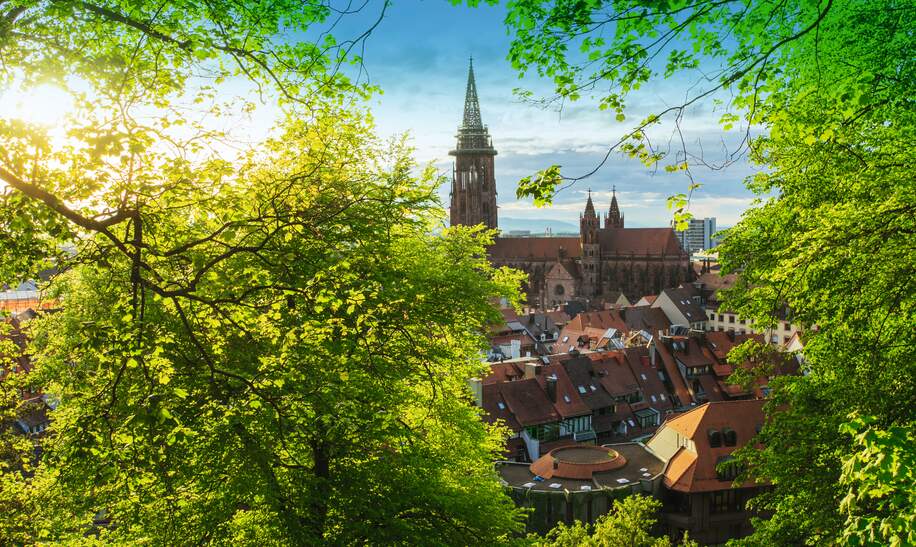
(599, 265)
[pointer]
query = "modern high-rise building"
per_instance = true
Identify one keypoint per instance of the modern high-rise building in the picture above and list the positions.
(698, 236)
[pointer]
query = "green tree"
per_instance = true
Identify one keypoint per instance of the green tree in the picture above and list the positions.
(880, 507)
(629, 522)
(256, 345)
(829, 87)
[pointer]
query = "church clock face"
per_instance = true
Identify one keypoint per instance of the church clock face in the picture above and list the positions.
(558, 290)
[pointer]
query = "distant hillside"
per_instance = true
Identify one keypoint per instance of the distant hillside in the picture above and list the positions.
(537, 226)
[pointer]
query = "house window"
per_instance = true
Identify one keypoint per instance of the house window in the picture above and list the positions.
(647, 417)
(787, 326)
(727, 468)
(731, 318)
(715, 438)
(785, 339)
(725, 501)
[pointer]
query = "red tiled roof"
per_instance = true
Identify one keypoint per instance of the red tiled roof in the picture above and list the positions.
(559, 317)
(711, 387)
(640, 241)
(692, 355)
(534, 247)
(690, 471)
(492, 398)
(646, 318)
(565, 389)
(528, 402)
(577, 462)
(638, 359)
(667, 360)
(504, 372)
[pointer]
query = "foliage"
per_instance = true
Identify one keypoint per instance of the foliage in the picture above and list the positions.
(829, 84)
(262, 344)
(541, 186)
(880, 507)
(629, 522)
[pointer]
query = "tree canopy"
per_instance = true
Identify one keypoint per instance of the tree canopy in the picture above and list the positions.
(262, 345)
(824, 91)
(629, 522)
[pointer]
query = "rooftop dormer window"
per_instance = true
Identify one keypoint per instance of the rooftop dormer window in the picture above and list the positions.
(715, 437)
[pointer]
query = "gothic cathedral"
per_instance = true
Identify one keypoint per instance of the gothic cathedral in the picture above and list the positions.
(599, 265)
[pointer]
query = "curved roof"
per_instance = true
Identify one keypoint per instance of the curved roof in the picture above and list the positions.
(577, 462)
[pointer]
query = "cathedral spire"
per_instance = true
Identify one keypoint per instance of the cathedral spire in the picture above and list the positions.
(471, 105)
(614, 218)
(473, 181)
(589, 206)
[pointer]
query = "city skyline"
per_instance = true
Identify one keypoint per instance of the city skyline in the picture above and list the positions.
(527, 137)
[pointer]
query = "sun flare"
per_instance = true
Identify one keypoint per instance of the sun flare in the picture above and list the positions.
(44, 104)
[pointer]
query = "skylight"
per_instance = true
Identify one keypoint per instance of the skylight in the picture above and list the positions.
(567, 399)
(581, 389)
(501, 406)
(643, 376)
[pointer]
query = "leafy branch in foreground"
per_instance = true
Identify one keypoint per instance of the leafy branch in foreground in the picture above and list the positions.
(256, 345)
(829, 240)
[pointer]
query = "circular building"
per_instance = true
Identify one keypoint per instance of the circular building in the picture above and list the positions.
(579, 462)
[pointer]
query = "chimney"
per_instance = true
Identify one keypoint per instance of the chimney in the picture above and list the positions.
(551, 385)
(731, 335)
(532, 370)
(652, 351)
(531, 318)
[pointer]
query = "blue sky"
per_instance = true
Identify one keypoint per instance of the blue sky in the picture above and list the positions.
(418, 55)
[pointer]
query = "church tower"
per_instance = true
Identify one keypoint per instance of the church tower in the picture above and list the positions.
(473, 196)
(613, 219)
(591, 249)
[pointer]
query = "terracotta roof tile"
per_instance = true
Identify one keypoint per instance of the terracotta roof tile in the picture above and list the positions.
(534, 247)
(743, 417)
(640, 241)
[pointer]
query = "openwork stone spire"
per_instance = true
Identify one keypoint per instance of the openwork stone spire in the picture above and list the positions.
(472, 133)
(471, 105)
(473, 181)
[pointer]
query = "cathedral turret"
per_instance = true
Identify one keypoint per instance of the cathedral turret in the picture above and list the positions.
(613, 219)
(473, 197)
(589, 225)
